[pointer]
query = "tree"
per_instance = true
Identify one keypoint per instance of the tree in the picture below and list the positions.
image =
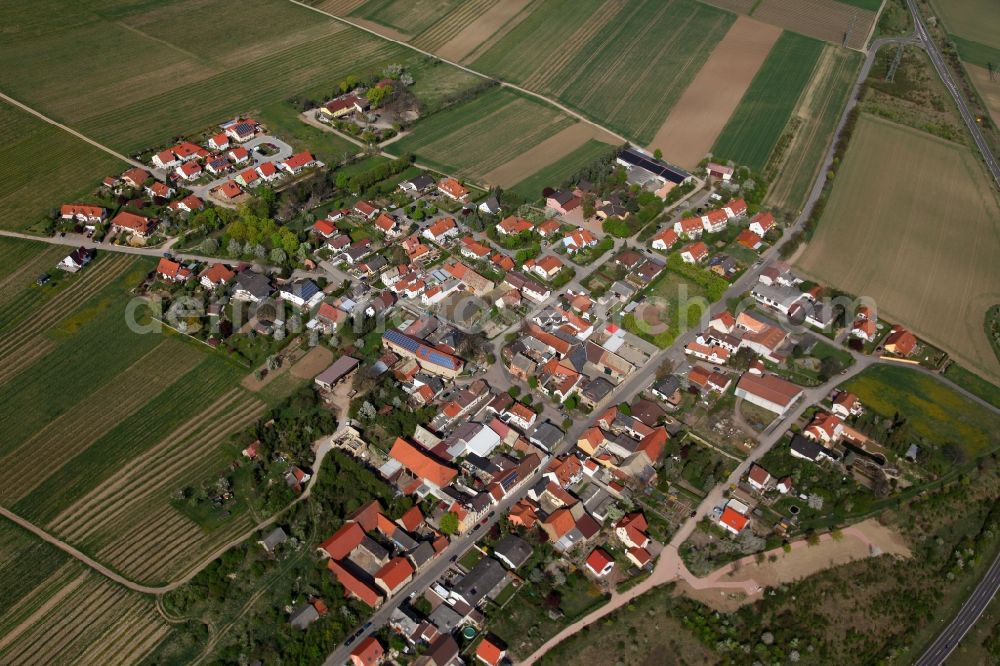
(449, 523)
(234, 248)
(209, 246)
(658, 154)
(278, 256)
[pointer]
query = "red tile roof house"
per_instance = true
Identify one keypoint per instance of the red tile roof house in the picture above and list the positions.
(216, 275)
(441, 229)
(762, 223)
(368, 652)
(473, 249)
(229, 190)
(715, 220)
(866, 329)
(847, 404)
(158, 189)
(82, 213)
(511, 226)
(631, 530)
(562, 202)
(490, 652)
(387, 224)
(247, 177)
(546, 267)
(268, 171)
(324, 228)
(600, 563)
(165, 159)
(769, 391)
(732, 520)
(395, 574)
(171, 271)
(749, 239)
(735, 208)
(758, 477)
(365, 210)
(640, 557)
(719, 171)
(579, 239)
(694, 253)
(547, 228)
(218, 142)
(188, 204)
(298, 162)
(664, 240)
(453, 189)
(135, 177)
(691, 227)
(900, 341)
(239, 155)
(189, 170)
(131, 223)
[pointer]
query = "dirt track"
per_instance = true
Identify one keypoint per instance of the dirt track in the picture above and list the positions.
(706, 105)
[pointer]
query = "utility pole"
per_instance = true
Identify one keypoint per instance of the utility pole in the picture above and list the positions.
(894, 65)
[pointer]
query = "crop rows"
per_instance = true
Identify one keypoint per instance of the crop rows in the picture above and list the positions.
(443, 30)
(554, 174)
(97, 622)
(623, 64)
(76, 429)
(480, 135)
(756, 125)
(101, 463)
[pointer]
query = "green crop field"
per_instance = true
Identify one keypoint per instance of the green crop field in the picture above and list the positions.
(818, 113)
(42, 167)
(977, 53)
(54, 610)
(407, 16)
(133, 78)
(451, 24)
(933, 409)
(554, 174)
(762, 114)
(475, 137)
(126, 416)
(870, 5)
(972, 20)
(622, 64)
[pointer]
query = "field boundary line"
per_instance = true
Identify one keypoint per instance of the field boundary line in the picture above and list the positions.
(506, 84)
(70, 130)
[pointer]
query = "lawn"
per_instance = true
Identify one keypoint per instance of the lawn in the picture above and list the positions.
(674, 304)
(915, 186)
(932, 408)
(759, 120)
(818, 112)
(43, 167)
(559, 171)
(974, 384)
(475, 137)
(623, 64)
(283, 119)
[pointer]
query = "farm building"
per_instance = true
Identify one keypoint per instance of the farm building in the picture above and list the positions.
(341, 370)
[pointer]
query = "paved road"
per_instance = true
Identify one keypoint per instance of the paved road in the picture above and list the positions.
(949, 82)
(283, 153)
(973, 608)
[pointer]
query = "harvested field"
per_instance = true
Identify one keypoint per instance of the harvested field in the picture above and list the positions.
(706, 105)
(63, 168)
(757, 123)
(898, 195)
(554, 174)
(314, 362)
(493, 23)
(988, 89)
(815, 119)
(625, 64)
(336, 7)
(546, 153)
(409, 17)
(827, 20)
(474, 138)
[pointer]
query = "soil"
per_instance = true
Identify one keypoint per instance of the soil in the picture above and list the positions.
(827, 20)
(706, 105)
(489, 23)
(988, 90)
(547, 152)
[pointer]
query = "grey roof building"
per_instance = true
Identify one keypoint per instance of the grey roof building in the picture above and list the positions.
(512, 550)
(273, 539)
(487, 575)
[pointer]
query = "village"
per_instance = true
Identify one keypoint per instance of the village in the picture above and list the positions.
(566, 421)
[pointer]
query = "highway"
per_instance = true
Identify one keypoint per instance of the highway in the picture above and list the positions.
(949, 82)
(974, 606)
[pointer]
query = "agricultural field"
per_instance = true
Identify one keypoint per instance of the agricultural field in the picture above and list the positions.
(462, 35)
(54, 610)
(811, 129)
(476, 137)
(706, 105)
(554, 174)
(409, 17)
(62, 167)
(174, 85)
(971, 20)
(130, 423)
(933, 409)
(758, 122)
(623, 64)
(898, 193)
